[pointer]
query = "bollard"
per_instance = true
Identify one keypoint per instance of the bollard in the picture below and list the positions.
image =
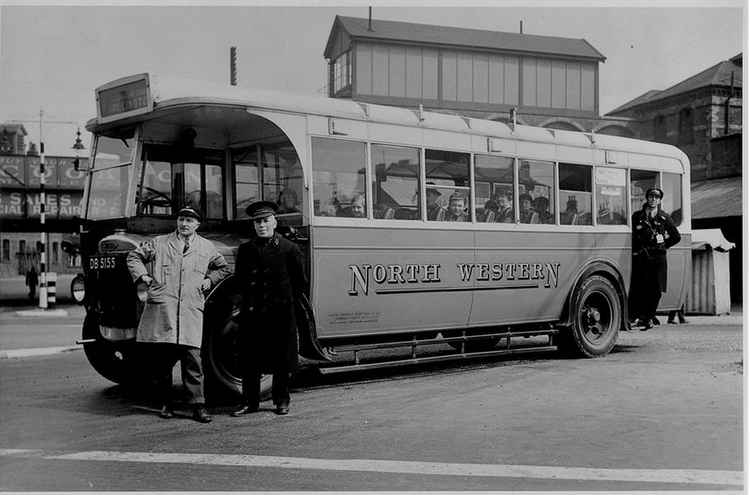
(51, 289)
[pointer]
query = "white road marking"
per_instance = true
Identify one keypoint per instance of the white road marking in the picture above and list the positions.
(37, 351)
(680, 476)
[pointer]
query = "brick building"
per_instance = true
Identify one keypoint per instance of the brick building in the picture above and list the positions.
(702, 115)
(553, 82)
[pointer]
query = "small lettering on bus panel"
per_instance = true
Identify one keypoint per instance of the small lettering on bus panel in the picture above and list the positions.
(399, 279)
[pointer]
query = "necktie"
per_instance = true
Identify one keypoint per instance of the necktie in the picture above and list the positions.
(187, 246)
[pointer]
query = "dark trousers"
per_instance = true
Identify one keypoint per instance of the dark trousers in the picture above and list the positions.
(164, 357)
(644, 301)
(251, 375)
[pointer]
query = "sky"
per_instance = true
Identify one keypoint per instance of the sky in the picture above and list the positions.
(52, 57)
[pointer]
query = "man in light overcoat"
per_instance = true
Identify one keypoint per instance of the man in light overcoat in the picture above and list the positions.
(179, 270)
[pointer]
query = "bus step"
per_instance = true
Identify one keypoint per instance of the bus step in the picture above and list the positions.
(329, 370)
(441, 340)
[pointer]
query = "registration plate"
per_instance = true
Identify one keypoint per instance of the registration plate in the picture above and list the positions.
(102, 262)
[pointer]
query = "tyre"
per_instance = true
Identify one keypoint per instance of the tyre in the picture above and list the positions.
(596, 318)
(221, 352)
(114, 361)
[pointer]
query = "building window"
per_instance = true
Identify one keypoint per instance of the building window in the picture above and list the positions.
(55, 253)
(686, 126)
(21, 247)
(660, 128)
(342, 72)
(6, 250)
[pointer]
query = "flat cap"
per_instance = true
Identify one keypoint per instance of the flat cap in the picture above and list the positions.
(188, 211)
(261, 209)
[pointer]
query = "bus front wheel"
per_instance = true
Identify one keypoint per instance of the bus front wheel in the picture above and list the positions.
(596, 317)
(113, 361)
(222, 358)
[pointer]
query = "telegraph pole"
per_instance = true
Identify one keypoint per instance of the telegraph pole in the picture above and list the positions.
(43, 234)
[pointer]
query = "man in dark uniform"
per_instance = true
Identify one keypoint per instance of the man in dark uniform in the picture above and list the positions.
(269, 270)
(653, 234)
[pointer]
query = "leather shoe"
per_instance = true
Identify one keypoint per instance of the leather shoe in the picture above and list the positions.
(282, 409)
(244, 410)
(200, 415)
(655, 321)
(166, 411)
(646, 326)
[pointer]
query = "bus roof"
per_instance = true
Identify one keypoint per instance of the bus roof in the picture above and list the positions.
(172, 92)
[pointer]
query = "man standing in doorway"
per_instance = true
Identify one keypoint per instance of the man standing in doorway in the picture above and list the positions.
(653, 234)
(269, 270)
(185, 267)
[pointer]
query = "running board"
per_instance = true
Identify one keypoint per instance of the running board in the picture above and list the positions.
(432, 359)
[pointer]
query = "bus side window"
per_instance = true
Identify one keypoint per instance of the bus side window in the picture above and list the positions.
(536, 180)
(610, 196)
(395, 182)
(640, 182)
(448, 174)
(338, 168)
(493, 179)
(575, 191)
(671, 184)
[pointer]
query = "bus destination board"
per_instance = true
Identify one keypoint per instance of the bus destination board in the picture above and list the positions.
(130, 97)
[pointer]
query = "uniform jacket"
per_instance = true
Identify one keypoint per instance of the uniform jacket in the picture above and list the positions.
(174, 308)
(649, 250)
(270, 274)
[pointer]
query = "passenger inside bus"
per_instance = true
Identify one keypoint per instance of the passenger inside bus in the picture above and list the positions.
(434, 210)
(541, 205)
(505, 208)
(526, 213)
(457, 208)
(570, 215)
(288, 202)
(356, 209)
(489, 214)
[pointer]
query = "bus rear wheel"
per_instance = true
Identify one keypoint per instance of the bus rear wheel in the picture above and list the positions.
(597, 313)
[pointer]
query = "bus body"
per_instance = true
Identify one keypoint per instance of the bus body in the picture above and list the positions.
(392, 272)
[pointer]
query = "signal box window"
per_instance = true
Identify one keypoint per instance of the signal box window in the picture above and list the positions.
(493, 184)
(575, 194)
(339, 178)
(610, 196)
(447, 189)
(536, 192)
(671, 203)
(395, 183)
(640, 182)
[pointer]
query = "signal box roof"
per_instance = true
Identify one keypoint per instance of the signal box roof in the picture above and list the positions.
(447, 36)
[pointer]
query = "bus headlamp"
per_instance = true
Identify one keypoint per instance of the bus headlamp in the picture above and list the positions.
(78, 289)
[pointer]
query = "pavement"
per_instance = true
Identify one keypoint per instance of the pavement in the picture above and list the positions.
(24, 327)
